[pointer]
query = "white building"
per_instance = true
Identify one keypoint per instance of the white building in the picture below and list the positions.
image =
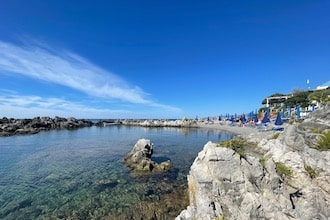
(323, 86)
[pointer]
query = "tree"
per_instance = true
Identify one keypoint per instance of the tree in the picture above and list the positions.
(271, 101)
(321, 96)
(299, 98)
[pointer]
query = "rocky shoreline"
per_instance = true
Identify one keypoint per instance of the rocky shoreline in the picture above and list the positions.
(264, 175)
(281, 176)
(11, 126)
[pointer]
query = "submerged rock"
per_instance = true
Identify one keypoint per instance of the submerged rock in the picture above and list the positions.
(139, 159)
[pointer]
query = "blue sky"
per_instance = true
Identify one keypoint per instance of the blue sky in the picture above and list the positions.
(157, 59)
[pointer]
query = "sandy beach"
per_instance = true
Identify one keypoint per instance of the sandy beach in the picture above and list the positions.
(243, 130)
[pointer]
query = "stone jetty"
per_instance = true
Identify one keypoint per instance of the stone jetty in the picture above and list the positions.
(11, 126)
(179, 123)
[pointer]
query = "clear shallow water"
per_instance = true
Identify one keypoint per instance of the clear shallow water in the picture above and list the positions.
(80, 174)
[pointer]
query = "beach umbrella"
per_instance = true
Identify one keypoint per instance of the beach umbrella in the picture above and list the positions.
(251, 115)
(243, 118)
(266, 117)
(283, 113)
(255, 119)
(298, 111)
(278, 120)
(290, 112)
(232, 118)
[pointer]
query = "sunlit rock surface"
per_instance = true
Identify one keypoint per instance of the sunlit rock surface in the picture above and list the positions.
(139, 159)
(283, 178)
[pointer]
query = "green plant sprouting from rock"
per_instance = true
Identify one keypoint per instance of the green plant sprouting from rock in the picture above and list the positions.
(238, 146)
(275, 136)
(311, 172)
(262, 161)
(284, 171)
(323, 142)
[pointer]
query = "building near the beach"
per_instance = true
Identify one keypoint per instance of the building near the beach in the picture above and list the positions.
(323, 86)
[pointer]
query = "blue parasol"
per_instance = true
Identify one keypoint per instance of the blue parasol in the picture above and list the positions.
(266, 117)
(298, 111)
(278, 120)
(290, 112)
(243, 118)
(283, 113)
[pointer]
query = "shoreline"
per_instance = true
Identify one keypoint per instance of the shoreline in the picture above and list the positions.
(12, 127)
(243, 130)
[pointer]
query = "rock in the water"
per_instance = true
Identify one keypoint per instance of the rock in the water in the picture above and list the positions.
(139, 159)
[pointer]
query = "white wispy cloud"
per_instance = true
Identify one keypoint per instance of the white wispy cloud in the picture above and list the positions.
(39, 61)
(65, 68)
(25, 106)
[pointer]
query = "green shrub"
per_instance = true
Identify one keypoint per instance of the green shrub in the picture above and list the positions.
(236, 143)
(275, 136)
(311, 172)
(316, 131)
(238, 146)
(220, 218)
(324, 142)
(262, 161)
(284, 171)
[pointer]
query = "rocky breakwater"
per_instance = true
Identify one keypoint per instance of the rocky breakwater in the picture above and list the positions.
(11, 126)
(139, 158)
(266, 176)
(188, 123)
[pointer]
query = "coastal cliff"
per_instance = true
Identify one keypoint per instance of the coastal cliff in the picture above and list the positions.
(264, 175)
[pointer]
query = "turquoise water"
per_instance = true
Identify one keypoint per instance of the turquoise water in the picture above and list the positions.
(80, 174)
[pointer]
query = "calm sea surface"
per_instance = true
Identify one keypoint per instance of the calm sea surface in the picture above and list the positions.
(80, 174)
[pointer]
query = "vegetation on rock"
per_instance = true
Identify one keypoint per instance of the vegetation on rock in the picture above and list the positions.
(284, 171)
(238, 146)
(323, 142)
(275, 136)
(311, 172)
(262, 161)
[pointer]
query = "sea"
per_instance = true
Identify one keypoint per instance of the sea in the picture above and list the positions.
(81, 174)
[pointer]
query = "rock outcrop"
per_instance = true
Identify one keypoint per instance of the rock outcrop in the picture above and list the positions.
(139, 159)
(281, 178)
(11, 126)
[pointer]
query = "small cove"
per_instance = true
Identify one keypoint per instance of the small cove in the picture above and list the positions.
(80, 174)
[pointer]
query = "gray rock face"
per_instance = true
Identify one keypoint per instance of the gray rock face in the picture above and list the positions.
(139, 159)
(288, 180)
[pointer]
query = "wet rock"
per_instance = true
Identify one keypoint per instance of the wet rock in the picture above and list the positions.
(139, 159)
